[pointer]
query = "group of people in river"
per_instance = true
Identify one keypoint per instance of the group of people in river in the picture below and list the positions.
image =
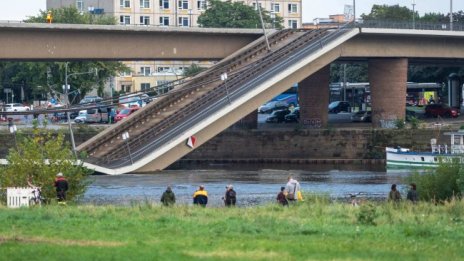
(395, 195)
(290, 193)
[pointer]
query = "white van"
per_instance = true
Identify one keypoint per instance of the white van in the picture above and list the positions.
(98, 115)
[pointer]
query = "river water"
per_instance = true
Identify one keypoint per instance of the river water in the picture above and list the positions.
(255, 184)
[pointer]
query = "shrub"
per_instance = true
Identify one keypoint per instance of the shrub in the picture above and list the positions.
(443, 183)
(39, 157)
(415, 123)
(367, 214)
(399, 124)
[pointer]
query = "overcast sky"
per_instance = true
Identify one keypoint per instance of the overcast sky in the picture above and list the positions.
(20, 9)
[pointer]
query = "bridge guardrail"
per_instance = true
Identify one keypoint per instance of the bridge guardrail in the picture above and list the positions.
(388, 24)
(316, 45)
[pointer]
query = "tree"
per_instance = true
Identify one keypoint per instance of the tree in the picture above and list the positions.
(355, 72)
(70, 15)
(192, 70)
(236, 15)
(389, 13)
(37, 79)
(39, 157)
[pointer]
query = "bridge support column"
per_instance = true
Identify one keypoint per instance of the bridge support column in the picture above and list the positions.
(313, 94)
(388, 82)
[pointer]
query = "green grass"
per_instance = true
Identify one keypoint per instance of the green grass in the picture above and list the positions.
(312, 230)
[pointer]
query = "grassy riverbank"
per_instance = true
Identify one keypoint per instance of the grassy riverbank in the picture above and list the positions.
(313, 230)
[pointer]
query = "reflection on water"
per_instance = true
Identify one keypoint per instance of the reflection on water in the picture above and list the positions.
(255, 184)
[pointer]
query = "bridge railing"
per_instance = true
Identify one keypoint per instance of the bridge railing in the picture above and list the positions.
(409, 25)
(236, 93)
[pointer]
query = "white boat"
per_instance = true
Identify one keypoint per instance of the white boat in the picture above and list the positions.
(405, 158)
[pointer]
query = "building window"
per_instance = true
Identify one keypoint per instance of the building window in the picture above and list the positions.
(145, 71)
(80, 5)
(164, 21)
(126, 88)
(162, 69)
(292, 8)
(124, 19)
(125, 3)
(164, 4)
(145, 20)
(201, 4)
(260, 6)
(144, 3)
(292, 24)
(144, 86)
(183, 4)
(275, 8)
(183, 21)
(125, 74)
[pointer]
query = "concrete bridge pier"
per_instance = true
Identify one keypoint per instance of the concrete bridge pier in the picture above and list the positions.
(388, 81)
(313, 93)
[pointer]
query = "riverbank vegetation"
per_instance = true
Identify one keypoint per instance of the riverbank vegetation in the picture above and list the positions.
(315, 229)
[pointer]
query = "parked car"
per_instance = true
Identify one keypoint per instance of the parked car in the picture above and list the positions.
(339, 106)
(273, 106)
(293, 116)
(277, 116)
(16, 107)
(91, 99)
(362, 116)
(132, 100)
(99, 115)
(442, 110)
(124, 113)
(81, 117)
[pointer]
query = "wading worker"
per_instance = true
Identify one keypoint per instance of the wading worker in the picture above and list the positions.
(61, 185)
(200, 197)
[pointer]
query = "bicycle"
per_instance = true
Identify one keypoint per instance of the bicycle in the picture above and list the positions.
(37, 198)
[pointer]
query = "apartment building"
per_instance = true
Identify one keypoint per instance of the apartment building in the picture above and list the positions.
(180, 13)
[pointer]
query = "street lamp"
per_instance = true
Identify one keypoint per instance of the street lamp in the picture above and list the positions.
(451, 15)
(262, 24)
(413, 14)
(66, 88)
(224, 79)
(354, 11)
(13, 129)
(125, 137)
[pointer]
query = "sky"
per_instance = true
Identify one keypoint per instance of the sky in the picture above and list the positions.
(17, 10)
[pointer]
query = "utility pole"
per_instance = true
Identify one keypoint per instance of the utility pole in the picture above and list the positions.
(262, 24)
(413, 14)
(354, 11)
(66, 94)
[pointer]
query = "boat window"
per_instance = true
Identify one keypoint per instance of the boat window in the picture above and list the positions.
(422, 158)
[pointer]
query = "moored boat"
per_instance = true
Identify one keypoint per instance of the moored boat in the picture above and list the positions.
(405, 158)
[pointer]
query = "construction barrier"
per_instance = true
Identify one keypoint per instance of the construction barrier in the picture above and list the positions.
(19, 197)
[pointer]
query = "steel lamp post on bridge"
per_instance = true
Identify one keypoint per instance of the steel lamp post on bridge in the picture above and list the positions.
(66, 88)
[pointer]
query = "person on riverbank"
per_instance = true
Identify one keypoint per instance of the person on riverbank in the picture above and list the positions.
(412, 193)
(281, 199)
(230, 197)
(200, 197)
(168, 198)
(292, 188)
(61, 185)
(394, 195)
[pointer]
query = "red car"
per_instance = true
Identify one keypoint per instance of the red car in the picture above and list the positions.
(441, 110)
(124, 113)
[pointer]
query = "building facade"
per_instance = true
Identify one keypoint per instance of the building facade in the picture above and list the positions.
(178, 13)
